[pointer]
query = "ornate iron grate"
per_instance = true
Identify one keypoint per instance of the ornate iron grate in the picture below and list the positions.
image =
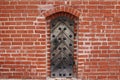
(62, 47)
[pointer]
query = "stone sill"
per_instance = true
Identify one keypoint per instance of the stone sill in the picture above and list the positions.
(61, 79)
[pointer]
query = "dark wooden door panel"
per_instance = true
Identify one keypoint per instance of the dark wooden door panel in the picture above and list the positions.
(62, 47)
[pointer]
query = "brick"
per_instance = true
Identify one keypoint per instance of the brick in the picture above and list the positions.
(23, 2)
(15, 35)
(19, 19)
(15, 15)
(4, 35)
(9, 23)
(94, 2)
(113, 77)
(32, 14)
(75, 2)
(115, 55)
(19, 27)
(5, 14)
(30, 27)
(27, 35)
(27, 23)
(39, 31)
(88, 19)
(84, 30)
(3, 19)
(105, 11)
(27, 43)
(16, 43)
(20, 7)
(117, 7)
(25, 28)
(30, 19)
(108, 2)
(7, 39)
(103, 55)
(20, 59)
(59, 2)
(6, 43)
(10, 31)
(31, 59)
(32, 7)
(36, 2)
(91, 7)
(5, 70)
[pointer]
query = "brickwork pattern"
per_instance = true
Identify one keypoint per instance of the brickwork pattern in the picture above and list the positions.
(24, 38)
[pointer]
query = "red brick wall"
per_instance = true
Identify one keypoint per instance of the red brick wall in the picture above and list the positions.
(25, 41)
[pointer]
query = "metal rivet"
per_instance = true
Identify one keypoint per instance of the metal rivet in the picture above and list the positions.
(65, 28)
(59, 48)
(59, 38)
(59, 28)
(64, 58)
(60, 75)
(71, 24)
(70, 44)
(64, 48)
(53, 35)
(63, 74)
(53, 74)
(64, 38)
(70, 35)
(53, 54)
(70, 74)
(70, 54)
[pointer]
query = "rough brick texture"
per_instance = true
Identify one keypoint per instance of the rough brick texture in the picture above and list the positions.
(25, 38)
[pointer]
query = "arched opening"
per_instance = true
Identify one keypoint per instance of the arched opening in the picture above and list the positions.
(68, 23)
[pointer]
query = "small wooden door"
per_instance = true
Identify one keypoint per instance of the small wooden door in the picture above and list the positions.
(62, 47)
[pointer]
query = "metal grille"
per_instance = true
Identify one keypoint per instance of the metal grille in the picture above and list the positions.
(62, 47)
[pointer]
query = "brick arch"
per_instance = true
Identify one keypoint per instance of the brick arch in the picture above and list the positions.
(66, 9)
(56, 12)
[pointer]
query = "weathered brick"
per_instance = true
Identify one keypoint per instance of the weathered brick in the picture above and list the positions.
(25, 28)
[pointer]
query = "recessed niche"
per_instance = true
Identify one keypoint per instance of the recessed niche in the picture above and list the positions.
(62, 37)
